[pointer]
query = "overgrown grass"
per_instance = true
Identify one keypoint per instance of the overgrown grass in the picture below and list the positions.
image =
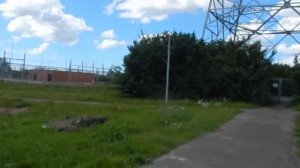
(136, 132)
(9, 102)
(51, 91)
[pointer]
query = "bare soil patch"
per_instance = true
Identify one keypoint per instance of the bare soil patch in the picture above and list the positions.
(72, 123)
(13, 111)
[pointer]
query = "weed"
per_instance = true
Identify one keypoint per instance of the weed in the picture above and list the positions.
(114, 134)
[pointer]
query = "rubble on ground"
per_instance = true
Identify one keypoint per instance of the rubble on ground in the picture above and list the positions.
(12, 111)
(71, 123)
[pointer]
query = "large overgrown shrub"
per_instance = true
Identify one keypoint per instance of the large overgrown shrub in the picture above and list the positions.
(218, 69)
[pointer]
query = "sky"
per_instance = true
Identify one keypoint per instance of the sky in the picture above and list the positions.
(54, 32)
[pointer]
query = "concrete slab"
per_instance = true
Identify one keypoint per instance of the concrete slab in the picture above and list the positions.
(256, 138)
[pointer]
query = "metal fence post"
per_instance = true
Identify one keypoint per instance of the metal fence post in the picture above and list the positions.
(3, 65)
(102, 69)
(82, 67)
(70, 71)
(23, 68)
(279, 90)
(93, 67)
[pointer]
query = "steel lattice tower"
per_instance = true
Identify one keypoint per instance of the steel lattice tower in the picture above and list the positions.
(270, 21)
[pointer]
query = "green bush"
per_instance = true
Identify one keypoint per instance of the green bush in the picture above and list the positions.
(235, 70)
(114, 134)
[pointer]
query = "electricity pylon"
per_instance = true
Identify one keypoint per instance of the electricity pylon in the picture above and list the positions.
(272, 22)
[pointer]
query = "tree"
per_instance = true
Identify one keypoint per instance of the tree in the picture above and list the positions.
(296, 59)
(282, 71)
(145, 66)
(198, 69)
(114, 74)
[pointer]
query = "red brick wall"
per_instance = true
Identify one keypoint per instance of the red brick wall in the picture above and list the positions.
(40, 75)
(62, 76)
(82, 77)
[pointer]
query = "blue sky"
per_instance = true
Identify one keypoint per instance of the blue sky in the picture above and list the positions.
(53, 32)
(123, 31)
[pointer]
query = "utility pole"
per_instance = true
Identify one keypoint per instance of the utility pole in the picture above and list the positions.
(102, 69)
(168, 71)
(82, 67)
(93, 67)
(23, 69)
(3, 65)
(12, 51)
(70, 71)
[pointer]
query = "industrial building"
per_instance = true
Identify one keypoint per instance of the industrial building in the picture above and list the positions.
(60, 76)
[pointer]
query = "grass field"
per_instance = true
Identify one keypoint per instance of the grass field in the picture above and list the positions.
(136, 132)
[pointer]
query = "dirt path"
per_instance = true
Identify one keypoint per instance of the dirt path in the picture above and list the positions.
(12, 111)
(256, 138)
(65, 101)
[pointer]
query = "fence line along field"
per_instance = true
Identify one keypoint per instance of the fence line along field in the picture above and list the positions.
(94, 126)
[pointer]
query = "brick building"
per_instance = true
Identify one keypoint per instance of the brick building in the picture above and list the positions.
(61, 76)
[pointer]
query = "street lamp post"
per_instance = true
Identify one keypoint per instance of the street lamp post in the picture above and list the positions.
(168, 71)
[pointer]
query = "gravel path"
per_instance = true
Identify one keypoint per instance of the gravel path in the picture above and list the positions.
(256, 138)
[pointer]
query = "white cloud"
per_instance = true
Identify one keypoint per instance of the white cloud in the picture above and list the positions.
(287, 52)
(147, 36)
(244, 30)
(154, 10)
(108, 40)
(289, 23)
(110, 43)
(35, 51)
(288, 12)
(288, 18)
(110, 8)
(16, 39)
(286, 59)
(108, 34)
(42, 19)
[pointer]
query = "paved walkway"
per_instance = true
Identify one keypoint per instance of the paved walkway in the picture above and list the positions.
(256, 138)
